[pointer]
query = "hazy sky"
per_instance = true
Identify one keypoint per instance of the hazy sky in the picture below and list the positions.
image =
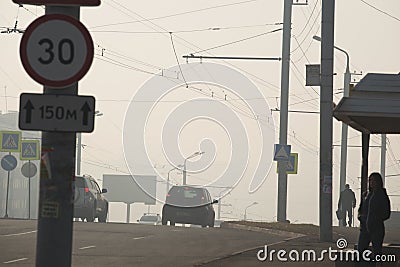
(135, 41)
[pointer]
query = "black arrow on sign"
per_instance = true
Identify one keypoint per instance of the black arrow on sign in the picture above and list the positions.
(85, 109)
(29, 107)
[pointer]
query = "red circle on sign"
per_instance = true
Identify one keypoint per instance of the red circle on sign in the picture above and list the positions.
(83, 69)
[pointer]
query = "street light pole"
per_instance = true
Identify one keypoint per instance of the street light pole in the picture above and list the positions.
(79, 148)
(198, 153)
(220, 202)
(174, 168)
(245, 210)
(79, 153)
(346, 92)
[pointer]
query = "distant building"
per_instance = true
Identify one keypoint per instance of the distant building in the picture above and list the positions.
(18, 188)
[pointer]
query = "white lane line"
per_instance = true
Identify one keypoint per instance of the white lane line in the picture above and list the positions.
(12, 261)
(24, 233)
(82, 248)
(140, 237)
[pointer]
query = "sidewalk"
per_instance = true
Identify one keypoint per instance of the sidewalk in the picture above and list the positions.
(299, 237)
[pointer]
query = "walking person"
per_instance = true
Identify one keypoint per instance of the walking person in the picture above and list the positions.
(373, 211)
(347, 202)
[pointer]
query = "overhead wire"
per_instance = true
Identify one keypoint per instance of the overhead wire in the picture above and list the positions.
(380, 10)
(177, 60)
(144, 19)
(177, 14)
(188, 31)
(237, 41)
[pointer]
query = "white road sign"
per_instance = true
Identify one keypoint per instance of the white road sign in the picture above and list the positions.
(56, 50)
(58, 113)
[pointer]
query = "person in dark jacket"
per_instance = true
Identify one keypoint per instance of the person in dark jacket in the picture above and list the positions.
(373, 211)
(347, 202)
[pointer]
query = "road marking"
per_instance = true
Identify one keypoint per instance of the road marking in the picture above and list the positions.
(87, 247)
(12, 261)
(141, 237)
(176, 230)
(24, 233)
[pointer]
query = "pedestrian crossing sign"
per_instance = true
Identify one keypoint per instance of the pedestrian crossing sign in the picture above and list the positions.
(10, 141)
(281, 152)
(292, 163)
(30, 150)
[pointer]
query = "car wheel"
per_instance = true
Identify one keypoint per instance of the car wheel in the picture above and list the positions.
(171, 223)
(211, 224)
(103, 215)
(91, 216)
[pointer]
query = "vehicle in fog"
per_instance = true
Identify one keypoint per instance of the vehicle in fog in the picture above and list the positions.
(89, 201)
(150, 219)
(189, 204)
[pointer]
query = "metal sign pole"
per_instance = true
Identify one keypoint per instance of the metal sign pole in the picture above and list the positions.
(8, 188)
(29, 189)
(8, 185)
(55, 223)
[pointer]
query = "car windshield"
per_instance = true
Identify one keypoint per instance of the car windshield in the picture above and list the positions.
(186, 196)
(148, 219)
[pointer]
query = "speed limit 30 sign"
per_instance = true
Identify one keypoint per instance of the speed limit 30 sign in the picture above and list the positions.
(56, 50)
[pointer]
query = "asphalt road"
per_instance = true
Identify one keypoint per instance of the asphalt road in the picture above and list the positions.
(115, 244)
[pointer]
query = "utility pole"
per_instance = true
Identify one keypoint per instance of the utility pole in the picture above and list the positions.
(283, 117)
(343, 147)
(326, 120)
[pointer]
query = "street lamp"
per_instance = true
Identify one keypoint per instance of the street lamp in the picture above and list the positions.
(245, 210)
(198, 153)
(174, 168)
(79, 147)
(343, 149)
(220, 202)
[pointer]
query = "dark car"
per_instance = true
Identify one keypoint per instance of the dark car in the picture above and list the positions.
(89, 202)
(188, 204)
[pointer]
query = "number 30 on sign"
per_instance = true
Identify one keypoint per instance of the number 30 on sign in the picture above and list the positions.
(56, 50)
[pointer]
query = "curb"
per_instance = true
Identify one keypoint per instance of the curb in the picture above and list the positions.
(289, 235)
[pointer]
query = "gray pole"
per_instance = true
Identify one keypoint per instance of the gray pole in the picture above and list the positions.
(343, 147)
(365, 137)
(184, 173)
(283, 124)
(343, 150)
(326, 120)
(29, 189)
(79, 154)
(128, 212)
(54, 236)
(168, 183)
(383, 157)
(219, 209)
(8, 188)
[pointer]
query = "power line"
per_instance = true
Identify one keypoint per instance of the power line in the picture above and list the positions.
(176, 14)
(189, 31)
(177, 60)
(237, 41)
(380, 10)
